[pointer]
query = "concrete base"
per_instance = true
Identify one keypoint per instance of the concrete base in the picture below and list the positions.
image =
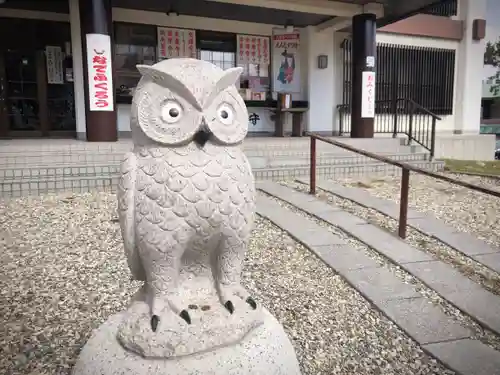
(465, 146)
(264, 351)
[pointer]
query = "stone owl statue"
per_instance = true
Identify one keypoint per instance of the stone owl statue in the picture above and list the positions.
(186, 201)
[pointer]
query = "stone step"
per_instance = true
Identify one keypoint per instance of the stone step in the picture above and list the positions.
(339, 167)
(33, 181)
(459, 290)
(79, 167)
(438, 334)
(104, 155)
(323, 159)
(425, 223)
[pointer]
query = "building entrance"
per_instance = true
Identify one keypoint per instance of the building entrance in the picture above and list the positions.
(36, 85)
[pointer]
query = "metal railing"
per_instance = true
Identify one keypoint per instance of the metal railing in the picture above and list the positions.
(405, 178)
(401, 116)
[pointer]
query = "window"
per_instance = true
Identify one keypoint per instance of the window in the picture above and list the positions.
(217, 48)
(220, 49)
(223, 60)
(256, 78)
(134, 44)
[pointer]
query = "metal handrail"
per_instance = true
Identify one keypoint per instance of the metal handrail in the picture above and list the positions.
(424, 109)
(422, 138)
(405, 178)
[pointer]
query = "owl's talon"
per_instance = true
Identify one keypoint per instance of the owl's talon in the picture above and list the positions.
(251, 302)
(185, 315)
(154, 322)
(229, 306)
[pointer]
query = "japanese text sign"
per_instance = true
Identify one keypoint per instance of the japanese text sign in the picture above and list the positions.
(100, 76)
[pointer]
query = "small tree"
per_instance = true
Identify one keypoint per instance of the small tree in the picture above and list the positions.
(492, 57)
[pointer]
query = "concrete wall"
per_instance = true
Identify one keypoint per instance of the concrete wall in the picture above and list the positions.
(466, 147)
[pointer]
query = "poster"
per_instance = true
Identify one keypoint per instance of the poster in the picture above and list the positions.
(368, 95)
(54, 62)
(99, 72)
(252, 49)
(286, 62)
(176, 43)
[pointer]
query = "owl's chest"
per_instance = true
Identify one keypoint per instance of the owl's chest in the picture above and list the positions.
(199, 177)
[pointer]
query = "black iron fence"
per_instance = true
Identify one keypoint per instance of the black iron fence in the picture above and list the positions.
(423, 74)
(400, 116)
(414, 86)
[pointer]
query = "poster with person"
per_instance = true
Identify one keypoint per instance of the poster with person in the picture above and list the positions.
(286, 61)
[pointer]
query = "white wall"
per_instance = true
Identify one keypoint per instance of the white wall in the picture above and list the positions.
(78, 80)
(321, 83)
(469, 69)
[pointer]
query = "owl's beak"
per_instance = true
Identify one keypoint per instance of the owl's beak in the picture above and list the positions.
(203, 135)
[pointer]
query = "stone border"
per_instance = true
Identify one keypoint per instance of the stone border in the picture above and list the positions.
(425, 223)
(434, 331)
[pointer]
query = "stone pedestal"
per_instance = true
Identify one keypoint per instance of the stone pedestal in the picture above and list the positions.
(266, 350)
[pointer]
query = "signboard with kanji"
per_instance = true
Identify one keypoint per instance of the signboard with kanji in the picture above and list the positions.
(368, 95)
(99, 72)
(252, 49)
(54, 62)
(176, 43)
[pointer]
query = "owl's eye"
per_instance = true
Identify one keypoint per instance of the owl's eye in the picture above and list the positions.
(225, 114)
(171, 112)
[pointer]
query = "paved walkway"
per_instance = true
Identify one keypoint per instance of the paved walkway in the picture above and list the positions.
(425, 223)
(427, 324)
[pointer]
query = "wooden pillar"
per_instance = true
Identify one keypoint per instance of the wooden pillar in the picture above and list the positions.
(364, 50)
(97, 42)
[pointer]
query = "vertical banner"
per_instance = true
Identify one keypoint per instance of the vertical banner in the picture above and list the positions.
(286, 62)
(252, 49)
(368, 95)
(191, 44)
(100, 72)
(54, 62)
(176, 43)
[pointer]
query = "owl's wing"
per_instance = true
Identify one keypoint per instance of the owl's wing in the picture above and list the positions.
(126, 212)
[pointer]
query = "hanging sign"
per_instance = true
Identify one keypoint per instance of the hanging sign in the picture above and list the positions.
(252, 49)
(368, 95)
(176, 43)
(286, 62)
(54, 62)
(100, 73)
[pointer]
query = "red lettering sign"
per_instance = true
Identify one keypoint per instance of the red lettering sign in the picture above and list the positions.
(101, 91)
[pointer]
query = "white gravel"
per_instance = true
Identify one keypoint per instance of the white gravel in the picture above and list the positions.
(64, 272)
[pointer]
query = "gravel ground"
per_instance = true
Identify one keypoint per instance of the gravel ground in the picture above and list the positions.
(486, 336)
(64, 272)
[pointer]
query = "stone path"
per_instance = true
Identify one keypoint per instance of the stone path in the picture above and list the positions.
(425, 223)
(427, 324)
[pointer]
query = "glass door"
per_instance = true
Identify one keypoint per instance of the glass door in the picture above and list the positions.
(4, 116)
(22, 94)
